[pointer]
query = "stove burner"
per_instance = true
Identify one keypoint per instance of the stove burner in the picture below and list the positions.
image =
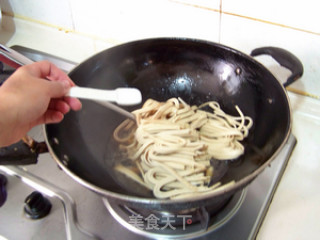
(155, 226)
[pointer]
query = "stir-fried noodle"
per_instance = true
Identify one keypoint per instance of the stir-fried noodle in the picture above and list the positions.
(172, 144)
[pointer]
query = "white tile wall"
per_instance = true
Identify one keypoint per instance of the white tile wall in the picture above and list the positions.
(245, 35)
(294, 13)
(129, 20)
(50, 40)
(211, 4)
(244, 25)
(57, 12)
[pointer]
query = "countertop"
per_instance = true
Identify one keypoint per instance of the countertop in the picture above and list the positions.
(294, 212)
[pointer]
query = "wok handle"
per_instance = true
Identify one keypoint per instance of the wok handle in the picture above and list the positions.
(3, 189)
(13, 58)
(285, 59)
(24, 152)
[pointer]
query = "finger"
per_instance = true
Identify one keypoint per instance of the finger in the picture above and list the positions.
(46, 69)
(50, 116)
(56, 89)
(53, 73)
(74, 103)
(59, 105)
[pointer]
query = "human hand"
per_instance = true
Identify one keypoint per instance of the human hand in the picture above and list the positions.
(33, 95)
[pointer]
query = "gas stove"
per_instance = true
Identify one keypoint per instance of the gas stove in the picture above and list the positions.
(70, 211)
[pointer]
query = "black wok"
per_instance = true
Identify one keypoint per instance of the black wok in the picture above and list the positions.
(197, 71)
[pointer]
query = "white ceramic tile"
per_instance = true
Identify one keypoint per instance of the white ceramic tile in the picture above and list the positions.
(295, 13)
(126, 20)
(55, 12)
(63, 44)
(245, 35)
(100, 45)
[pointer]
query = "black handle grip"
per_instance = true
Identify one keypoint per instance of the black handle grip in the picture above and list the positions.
(21, 153)
(3, 189)
(285, 59)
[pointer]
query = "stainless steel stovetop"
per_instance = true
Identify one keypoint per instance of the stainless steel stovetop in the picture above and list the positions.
(78, 213)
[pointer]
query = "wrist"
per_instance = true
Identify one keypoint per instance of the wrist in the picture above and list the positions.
(6, 119)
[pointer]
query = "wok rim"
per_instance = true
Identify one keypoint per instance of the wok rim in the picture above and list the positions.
(242, 183)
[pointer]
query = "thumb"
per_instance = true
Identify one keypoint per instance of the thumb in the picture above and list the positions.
(57, 89)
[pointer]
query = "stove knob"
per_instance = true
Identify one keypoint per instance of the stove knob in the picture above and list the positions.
(3, 190)
(36, 205)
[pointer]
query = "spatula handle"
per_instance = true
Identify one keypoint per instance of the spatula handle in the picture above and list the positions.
(122, 96)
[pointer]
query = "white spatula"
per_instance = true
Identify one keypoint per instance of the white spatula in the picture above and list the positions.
(121, 96)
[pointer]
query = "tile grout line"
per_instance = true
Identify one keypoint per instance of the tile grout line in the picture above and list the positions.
(71, 14)
(271, 23)
(221, 12)
(220, 21)
(59, 28)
